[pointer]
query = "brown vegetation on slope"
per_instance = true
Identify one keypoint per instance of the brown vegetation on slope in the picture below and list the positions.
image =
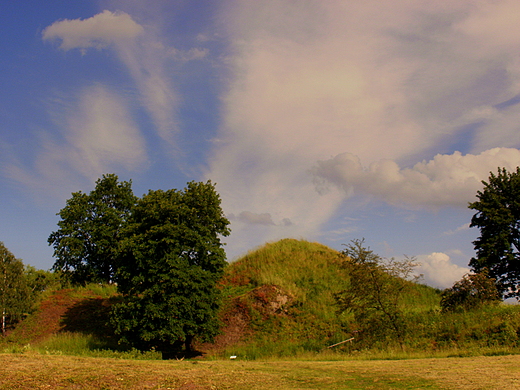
(65, 310)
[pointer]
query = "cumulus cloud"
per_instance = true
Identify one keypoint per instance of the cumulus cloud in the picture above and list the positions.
(99, 31)
(439, 271)
(446, 180)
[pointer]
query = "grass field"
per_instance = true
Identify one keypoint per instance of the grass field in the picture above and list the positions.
(35, 371)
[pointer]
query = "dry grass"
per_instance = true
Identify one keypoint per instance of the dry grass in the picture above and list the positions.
(34, 371)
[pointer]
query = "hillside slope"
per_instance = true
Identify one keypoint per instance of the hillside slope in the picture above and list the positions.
(281, 296)
(278, 300)
(73, 310)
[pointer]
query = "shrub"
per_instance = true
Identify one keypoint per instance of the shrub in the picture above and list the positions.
(471, 292)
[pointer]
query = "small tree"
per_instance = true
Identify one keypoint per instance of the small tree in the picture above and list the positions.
(39, 280)
(375, 293)
(498, 218)
(86, 243)
(471, 292)
(171, 260)
(14, 293)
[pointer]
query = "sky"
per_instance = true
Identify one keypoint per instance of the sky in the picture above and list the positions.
(327, 121)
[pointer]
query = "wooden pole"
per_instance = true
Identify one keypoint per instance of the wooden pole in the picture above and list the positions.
(341, 342)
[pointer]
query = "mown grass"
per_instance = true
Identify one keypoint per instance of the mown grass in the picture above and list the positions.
(30, 371)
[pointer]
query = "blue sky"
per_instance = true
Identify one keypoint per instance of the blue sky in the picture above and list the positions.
(321, 120)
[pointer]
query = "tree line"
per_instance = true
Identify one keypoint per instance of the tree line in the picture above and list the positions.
(164, 252)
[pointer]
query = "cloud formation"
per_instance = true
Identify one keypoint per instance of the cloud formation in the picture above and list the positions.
(101, 133)
(438, 270)
(96, 127)
(96, 135)
(383, 83)
(99, 31)
(141, 50)
(253, 218)
(446, 180)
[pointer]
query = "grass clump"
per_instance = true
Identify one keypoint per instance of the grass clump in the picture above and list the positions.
(78, 344)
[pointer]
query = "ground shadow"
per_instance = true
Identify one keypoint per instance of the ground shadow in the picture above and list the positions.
(91, 316)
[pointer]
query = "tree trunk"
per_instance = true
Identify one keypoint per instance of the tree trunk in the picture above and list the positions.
(187, 343)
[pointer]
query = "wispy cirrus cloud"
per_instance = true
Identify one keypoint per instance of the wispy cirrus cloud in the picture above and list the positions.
(97, 134)
(459, 229)
(139, 48)
(95, 128)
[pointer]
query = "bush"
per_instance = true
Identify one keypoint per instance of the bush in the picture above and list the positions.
(471, 292)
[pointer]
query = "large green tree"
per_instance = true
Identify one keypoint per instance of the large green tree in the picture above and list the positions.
(171, 260)
(86, 243)
(14, 292)
(498, 218)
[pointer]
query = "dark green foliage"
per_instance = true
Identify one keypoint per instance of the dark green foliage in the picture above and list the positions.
(498, 218)
(87, 241)
(375, 294)
(471, 292)
(14, 293)
(171, 259)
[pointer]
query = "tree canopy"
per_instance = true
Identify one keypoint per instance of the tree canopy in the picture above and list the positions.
(171, 259)
(498, 218)
(86, 243)
(14, 291)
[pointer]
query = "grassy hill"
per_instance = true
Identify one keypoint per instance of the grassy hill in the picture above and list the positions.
(278, 301)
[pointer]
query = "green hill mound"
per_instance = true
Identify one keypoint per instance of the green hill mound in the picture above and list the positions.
(278, 301)
(281, 296)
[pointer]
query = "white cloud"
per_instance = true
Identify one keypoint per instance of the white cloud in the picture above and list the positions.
(373, 82)
(101, 132)
(98, 31)
(439, 271)
(458, 230)
(447, 180)
(143, 53)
